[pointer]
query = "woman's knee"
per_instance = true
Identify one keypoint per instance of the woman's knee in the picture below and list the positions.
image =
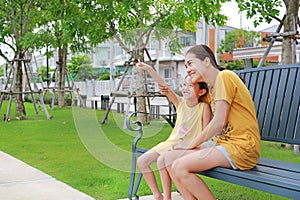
(178, 169)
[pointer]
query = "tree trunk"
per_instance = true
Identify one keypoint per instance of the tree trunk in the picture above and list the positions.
(20, 108)
(141, 100)
(61, 67)
(289, 24)
(140, 90)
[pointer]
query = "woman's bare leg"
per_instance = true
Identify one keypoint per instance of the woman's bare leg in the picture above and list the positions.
(184, 169)
(166, 160)
(144, 162)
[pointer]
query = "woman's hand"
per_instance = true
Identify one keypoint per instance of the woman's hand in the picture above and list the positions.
(164, 89)
(181, 145)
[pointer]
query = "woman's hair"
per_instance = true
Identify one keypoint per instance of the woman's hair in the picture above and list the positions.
(202, 51)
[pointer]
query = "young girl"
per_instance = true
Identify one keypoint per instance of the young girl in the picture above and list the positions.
(192, 115)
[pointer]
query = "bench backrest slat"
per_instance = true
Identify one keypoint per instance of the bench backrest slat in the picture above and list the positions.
(278, 112)
(276, 94)
(296, 108)
(287, 104)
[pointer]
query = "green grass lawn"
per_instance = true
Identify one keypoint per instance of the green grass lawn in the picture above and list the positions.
(76, 149)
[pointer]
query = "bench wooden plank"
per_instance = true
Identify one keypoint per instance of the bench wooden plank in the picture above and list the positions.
(257, 93)
(257, 180)
(295, 115)
(288, 176)
(268, 179)
(275, 120)
(288, 96)
(252, 84)
(266, 125)
(263, 174)
(263, 104)
(289, 166)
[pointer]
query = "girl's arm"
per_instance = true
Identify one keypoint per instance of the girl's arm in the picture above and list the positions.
(217, 123)
(214, 127)
(206, 117)
(172, 96)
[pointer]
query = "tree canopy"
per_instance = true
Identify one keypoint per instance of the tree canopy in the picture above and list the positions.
(265, 11)
(75, 25)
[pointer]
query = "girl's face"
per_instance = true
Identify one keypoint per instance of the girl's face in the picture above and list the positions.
(195, 67)
(191, 90)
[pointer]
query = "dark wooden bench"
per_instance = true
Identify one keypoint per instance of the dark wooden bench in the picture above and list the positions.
(276, 94)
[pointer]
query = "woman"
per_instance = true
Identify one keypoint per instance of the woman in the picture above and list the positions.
(234, 127)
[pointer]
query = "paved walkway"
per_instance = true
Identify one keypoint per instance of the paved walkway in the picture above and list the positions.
(19, 181)
(175, 196)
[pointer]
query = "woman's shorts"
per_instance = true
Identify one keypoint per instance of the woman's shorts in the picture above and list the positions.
(223, 151)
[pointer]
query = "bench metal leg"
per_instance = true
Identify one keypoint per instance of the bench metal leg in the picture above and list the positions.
(134, 185)
(135, 181)
(137, 184)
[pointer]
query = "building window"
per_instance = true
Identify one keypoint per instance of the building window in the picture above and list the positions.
(185, 41)
(167, 73)
(154, 44)
(168, 76)
(118, 50)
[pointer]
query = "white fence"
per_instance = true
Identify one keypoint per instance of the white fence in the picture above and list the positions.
(94, 88)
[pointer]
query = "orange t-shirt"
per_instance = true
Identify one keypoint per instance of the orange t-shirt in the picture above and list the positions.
(240, 136)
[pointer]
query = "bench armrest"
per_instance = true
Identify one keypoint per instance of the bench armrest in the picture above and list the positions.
(168, 118)
(138, 128)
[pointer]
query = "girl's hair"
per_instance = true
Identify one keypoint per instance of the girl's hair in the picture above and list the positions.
(202, 51)
(206, 97)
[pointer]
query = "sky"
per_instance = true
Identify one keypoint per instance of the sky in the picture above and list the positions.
(231, 10)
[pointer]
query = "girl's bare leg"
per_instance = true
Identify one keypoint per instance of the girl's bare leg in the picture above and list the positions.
(144, 162)
(165, 178)
(184, 169)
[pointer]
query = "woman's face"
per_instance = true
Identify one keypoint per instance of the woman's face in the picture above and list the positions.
(195, 68)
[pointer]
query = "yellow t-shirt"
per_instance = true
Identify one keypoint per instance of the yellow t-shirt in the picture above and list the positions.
(188, 125)
(240, 136)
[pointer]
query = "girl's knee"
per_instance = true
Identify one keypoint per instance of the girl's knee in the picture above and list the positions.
(142, 162)
(146, 159)
(160, 162)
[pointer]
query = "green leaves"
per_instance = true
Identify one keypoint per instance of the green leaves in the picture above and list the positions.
(261, 10)
(238, 39)
(145, 16)
(80, 68)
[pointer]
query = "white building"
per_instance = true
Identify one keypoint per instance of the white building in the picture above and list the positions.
(170, 66)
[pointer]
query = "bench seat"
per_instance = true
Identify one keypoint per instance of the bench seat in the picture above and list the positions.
(273, 176)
